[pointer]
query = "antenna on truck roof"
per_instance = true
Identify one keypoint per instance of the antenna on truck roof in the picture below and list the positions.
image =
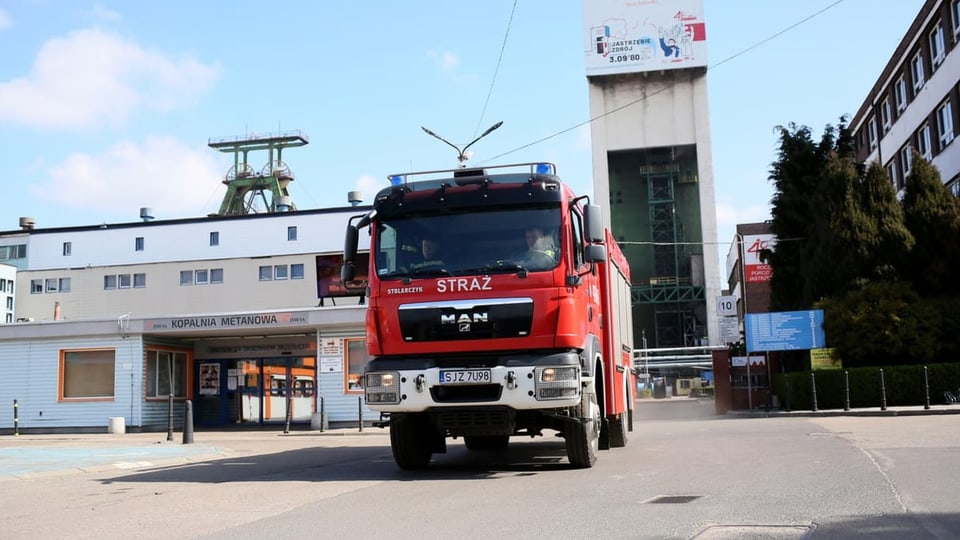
(462, 155)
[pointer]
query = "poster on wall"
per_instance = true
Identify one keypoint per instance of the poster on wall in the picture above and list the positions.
(331, 364)
(209, 379)
(627, 36)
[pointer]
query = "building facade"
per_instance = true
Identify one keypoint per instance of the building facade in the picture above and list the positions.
(915, 103)
(652, 162)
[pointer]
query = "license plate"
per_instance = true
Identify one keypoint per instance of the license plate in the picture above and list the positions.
(465, 376)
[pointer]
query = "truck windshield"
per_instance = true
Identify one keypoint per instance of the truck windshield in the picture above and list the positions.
(469, 242)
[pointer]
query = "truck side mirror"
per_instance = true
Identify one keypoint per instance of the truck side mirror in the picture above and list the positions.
(593, 223)
(596, 253)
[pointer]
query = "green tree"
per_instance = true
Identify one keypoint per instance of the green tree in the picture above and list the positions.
(885, 249)
(932, 215)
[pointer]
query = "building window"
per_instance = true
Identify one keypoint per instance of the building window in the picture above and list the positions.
(296, 271)
(906, 159)
(955, 16)
(923, 142)
(937, 47)
(916, 67)
(10, 302)
(186, 277)
(36, 286)
(67, 249)
(109, 282)
(954, 188)
(900, 92)
(166, 374)
(87, 374)
(892, 173)
(64, 284)
(945, 123)
(280, 271)
(872, 133)
(50, 285)
(139, 281)
(138, 244)
(292, 233)
(356, 357)
(216, 275)
(123, 281)
(214, 238)
(201, 277)
(266, 273)
(885, 115)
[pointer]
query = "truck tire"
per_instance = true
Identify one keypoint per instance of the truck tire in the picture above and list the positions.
(583, 439)
(618, 430)
(410, 439)
(486, 442)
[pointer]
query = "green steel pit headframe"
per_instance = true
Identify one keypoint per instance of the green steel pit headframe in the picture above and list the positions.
(244, 185)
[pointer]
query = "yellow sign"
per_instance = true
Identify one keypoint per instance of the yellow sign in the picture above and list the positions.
(824, 359)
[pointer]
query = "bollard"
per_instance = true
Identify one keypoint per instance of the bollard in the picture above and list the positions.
(813, 391)
(16, 420)
(846, 390)
(289, 415)
(170, 417)
(926, 390)
(323, 413)
(360, 413)
(188, 422)
(883, 392)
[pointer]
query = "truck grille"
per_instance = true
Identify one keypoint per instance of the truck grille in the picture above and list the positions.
(459, 320)
(466, 393)
(495, 421)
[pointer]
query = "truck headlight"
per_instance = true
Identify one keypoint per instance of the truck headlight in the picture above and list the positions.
(560, 382)
(382, 387)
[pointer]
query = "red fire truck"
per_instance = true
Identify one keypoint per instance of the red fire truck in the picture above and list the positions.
(515, 319)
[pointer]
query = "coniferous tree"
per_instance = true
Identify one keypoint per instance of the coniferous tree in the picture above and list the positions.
(891, 240)
(932, 215)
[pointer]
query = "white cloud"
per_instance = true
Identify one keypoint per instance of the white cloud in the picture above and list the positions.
(90, 78)
(103, 13)
(161, 172)
(446, 60)
(370, 186)
(5, 21)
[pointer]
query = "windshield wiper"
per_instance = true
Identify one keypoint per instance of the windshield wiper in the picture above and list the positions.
(500, 267)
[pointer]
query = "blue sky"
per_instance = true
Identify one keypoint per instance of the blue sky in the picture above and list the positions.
(107, 107)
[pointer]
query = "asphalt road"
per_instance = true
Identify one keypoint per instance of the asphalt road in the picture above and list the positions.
(684, 474)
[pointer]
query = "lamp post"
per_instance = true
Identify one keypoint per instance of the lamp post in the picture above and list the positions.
(462, 156)
(743, 319)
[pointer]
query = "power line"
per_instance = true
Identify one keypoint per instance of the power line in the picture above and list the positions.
(496, 70)
(669, 85)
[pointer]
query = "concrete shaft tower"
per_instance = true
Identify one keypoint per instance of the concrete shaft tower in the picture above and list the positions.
(652, 163)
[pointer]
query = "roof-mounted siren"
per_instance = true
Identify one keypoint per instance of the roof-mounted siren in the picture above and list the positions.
(27, 223)
(146, 214)
(284, 204)
(354, 197)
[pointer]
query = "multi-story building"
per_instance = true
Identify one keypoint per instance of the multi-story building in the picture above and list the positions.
(915, 102)
(652, 162)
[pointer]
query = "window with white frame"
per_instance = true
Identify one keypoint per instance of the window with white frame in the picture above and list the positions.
(266, 273)
(64, 284)
(67, 249)
(123, 281)
(892, 173)
(87, 374)
(167, 374)
(50, 285)
(916, 68)
(954, 189)
(214, 238)
(924, 148)
(110, 282)
(900, 92)
(885, 116)
(139, 281)
(201, 277)
(36, 286)
(280, 271)
(216, 275)
(872, 133)
(937, 45)
(296, 271)
(356, 358)
(138, 243)
(955, 16)
(945, 123)
(906, 160)
(292, 233)
(186, 277)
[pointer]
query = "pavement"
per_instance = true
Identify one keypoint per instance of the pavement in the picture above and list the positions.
(27, 456)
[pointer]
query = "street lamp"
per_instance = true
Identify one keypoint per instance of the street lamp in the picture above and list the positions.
(462, 156)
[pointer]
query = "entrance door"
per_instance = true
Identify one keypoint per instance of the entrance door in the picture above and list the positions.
(255, 391)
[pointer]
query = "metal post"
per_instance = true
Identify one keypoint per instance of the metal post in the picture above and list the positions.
(16, 420)
(188, 422)
(170, 417)
(360, 413)
(323, 414)
(883, 392)
(289, 402)
(926, 390)
(813, 391)
(846, 390)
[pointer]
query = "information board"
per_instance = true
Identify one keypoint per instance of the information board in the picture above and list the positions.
(785, 331)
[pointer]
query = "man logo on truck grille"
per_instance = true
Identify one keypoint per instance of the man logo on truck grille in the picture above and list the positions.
(464, 320)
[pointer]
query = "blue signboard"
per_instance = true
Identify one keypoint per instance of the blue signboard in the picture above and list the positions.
(785, 331)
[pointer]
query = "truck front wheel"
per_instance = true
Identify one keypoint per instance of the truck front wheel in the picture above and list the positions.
(583, 438)
(410, 440)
